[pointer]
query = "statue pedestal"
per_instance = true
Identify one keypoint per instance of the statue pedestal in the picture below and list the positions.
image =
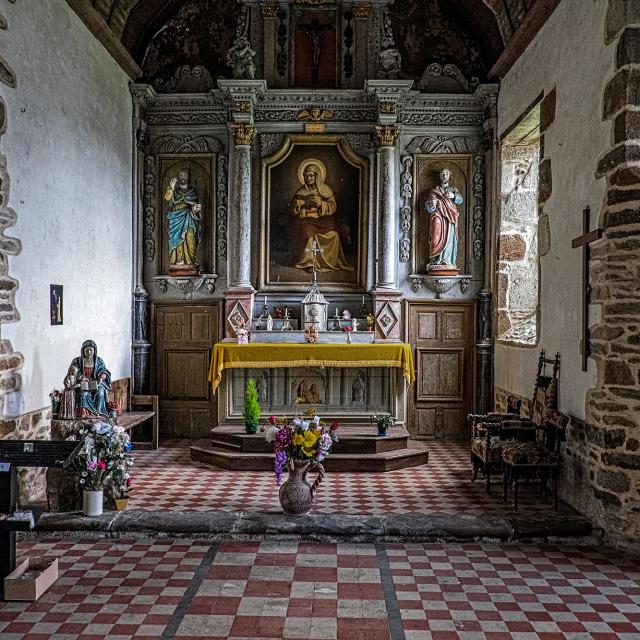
(184, 270)
(442, 270)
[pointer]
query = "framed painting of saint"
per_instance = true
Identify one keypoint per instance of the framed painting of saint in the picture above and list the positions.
(314, 189)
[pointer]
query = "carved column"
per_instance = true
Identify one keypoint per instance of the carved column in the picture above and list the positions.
(270, 27)
(142, 96)
(387, 136)
(484, 355)
(241, 96)
(360, 12)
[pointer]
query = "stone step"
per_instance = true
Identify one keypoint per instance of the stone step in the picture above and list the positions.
(256, 461)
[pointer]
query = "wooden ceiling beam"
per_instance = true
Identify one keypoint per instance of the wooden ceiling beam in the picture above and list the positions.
(523, 36)
(101, 30)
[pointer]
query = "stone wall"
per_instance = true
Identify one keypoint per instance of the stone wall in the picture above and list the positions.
(517, 299)
(605, 454)
(68, 147)
(573, 141)
(29, 426)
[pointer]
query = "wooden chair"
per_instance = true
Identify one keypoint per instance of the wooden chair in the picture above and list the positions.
(538, 460)
(490, 431)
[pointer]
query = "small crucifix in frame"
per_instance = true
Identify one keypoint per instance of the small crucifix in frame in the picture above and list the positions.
(583, 241)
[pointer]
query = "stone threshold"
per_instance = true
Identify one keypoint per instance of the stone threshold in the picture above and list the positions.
(565, 528)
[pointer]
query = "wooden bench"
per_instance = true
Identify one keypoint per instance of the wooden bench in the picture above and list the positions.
(136, 411)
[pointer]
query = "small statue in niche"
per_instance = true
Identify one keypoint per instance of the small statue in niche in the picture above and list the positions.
(95, 382)
(357, 390)
(263, 388)
(184, 224)
(442, 207)
(389, 58)
(241, 59)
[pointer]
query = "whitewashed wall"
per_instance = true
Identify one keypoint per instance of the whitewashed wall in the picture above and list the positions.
(68, 149)
(574, 142)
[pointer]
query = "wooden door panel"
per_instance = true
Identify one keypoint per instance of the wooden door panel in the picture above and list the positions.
(441, 334)
(185, 334)
(440, 375)
(426, 422)
(201, 328)
(427, 326)
(453, 325)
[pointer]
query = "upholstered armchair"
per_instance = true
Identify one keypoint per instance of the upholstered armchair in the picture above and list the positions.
(536, 460)
(489, 432)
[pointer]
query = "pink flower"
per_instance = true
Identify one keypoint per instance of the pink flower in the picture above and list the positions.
(128, 483)
(102, 465)
(271, 419)
(334, 425)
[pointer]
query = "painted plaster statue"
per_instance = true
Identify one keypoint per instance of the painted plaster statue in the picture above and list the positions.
(72, 383)
(442, 207)
(184, 222)
(241, 59)
(313, 209)
(95, 382)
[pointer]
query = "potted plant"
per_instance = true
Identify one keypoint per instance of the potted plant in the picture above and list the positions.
(383, 423)
(121, 483)
(101, 458)
(251, 407)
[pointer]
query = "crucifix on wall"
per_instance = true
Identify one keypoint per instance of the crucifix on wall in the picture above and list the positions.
(583, 241)
(314, 30)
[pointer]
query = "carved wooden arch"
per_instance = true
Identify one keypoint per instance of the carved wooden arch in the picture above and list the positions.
(186, 144)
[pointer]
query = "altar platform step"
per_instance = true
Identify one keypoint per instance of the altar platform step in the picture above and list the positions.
(235, 460)
(353, 440)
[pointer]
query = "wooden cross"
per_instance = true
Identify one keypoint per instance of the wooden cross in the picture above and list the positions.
(583, 241)
(315, 249)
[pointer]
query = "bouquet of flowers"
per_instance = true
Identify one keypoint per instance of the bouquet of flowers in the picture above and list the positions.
(304, 437)
(103, 460)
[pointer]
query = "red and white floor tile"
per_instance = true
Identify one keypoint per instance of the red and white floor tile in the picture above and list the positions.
(167, 479)
(304, 591)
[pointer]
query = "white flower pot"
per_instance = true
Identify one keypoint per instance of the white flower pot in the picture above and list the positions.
(92, 503)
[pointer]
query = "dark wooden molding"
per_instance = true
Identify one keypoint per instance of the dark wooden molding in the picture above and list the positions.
(524, 35)
(101, 30)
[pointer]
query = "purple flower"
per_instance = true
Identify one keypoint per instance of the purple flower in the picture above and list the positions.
(281, 461)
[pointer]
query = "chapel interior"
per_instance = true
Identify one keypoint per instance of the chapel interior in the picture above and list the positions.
(424, 210)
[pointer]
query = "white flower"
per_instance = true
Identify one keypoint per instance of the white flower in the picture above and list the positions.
(316, 420)
(270, 433)
(297, 422)
(305, 425)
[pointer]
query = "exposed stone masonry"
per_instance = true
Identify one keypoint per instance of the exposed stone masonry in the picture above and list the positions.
(603, 469)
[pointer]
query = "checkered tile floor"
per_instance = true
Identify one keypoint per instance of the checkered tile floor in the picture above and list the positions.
(302, 591)
(169, 479)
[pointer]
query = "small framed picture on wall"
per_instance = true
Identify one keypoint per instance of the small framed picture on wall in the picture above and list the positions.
(55, 303)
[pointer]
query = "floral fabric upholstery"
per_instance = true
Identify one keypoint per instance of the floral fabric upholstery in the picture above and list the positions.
(492, 453)
(546, 399)
(527, 453)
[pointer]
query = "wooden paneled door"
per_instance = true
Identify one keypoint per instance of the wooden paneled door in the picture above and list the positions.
(184, 335)
(441, 334)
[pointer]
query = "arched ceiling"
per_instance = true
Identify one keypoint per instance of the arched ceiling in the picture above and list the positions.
(499, 29)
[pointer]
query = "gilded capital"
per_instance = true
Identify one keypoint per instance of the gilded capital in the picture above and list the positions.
(243, 134)
(388, 106)
(387, 135)
(241, 106)
(360, 9)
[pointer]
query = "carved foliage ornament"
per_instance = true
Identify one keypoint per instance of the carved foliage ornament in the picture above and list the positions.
(242, 106)
(269, 9)
(315, 114)
(387, 135)
(360, 9)
(221, 199)
(243, 134)
(187, 144)
(270, 143)
(406, 194)
(149, 208)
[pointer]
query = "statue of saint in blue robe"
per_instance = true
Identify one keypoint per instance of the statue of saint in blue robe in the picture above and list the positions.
(183, 220)
(95, 381)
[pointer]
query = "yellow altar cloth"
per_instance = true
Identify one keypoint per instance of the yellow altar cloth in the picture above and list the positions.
(230, 355)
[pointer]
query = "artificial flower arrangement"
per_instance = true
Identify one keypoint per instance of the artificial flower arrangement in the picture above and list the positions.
(305, 437)
(383, 421)
(103, 460)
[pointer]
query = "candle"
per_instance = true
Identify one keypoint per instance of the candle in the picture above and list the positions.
(363, 301)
